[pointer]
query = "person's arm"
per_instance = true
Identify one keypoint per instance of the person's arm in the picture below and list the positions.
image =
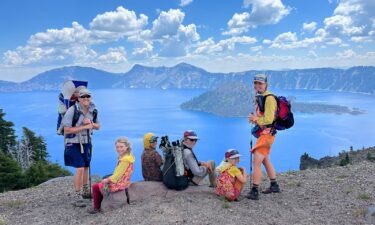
(156, 156)
(96, 126)
(269, 112)
(119, 171)
(242, 176)
(76, 130)
(67, 123)
(193, 165)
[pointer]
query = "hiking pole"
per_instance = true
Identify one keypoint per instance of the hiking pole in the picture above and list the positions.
(89, 140)
(251, 155)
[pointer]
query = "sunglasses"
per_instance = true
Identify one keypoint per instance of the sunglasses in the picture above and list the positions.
(258, 83)
(85, 96)
(153, 139)
(193, 140)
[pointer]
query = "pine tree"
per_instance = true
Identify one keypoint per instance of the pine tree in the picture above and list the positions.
(31, 149)
(11, 176)
(7, 135)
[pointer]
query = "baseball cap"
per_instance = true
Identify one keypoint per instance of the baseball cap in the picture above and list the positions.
(190, 134)
(232, 153)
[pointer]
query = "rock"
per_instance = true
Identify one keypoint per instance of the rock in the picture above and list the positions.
(144, 190)
(371, 214)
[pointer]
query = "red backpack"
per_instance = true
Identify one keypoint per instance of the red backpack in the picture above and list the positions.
(284, 116)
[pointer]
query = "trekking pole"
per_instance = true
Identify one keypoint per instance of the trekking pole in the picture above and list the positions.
(89, 140)
(251, 155)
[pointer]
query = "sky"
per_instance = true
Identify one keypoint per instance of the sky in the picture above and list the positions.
(216, 35)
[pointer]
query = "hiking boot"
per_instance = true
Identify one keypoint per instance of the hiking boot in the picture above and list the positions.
(86, 192)
(78, 200)
(272, 189)
(253, 194)
(94, 211)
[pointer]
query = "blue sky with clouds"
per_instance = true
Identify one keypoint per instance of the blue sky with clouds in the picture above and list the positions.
(217, 35)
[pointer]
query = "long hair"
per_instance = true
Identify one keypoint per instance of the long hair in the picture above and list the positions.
(125, 141)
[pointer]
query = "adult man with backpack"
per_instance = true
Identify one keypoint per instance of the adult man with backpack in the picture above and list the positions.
(196, 170)
(78, 123)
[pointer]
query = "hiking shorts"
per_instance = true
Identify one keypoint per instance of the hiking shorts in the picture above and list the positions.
(263, 144)
(73, 156)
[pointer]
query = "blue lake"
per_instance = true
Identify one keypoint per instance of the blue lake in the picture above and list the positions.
(133, 113)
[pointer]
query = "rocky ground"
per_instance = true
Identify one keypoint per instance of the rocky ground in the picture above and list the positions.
(337, 195)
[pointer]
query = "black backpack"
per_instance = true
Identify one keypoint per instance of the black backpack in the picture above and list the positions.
(170, 179)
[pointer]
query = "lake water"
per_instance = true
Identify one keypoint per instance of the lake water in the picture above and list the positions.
(133, 113)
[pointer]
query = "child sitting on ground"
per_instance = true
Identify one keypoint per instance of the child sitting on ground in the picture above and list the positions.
(151, 159)
(231, 179)
(120, 180)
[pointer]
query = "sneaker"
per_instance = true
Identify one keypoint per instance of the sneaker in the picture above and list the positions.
(272, 189)
(94, 211)
(78, 200)
(253, 194)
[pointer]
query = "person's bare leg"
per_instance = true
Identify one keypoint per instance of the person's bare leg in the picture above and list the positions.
(78, 179)
(274, 186)
(257, 175)
(269, 167)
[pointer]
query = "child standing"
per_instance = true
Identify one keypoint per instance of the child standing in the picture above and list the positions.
(120, 180)
(231, 179)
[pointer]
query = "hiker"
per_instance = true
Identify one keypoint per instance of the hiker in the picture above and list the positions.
(62, 107)
(231, 179)
(120, 179)
(151, 159)
(78, 145)
(196, 170)
(264, 118)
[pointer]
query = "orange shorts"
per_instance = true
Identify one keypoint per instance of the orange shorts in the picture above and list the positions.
(263, 144)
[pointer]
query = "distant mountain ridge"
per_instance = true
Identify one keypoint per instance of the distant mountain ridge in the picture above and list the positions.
(186, 76)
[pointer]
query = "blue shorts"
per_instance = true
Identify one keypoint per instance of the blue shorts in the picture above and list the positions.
(73, 156)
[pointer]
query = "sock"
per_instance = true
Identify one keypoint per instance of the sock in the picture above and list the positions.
(85, 187)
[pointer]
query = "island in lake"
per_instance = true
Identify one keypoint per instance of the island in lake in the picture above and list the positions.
(235, 99)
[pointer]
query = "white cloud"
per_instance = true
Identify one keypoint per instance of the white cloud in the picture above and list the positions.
(113, 56)
(167, 24)
(143, 51)
(346, 54)
(262, 12)
(185, 2)
(309, 26)
(238, 24)
(351, 18)
(119, 23)
(66, 36)
(256, 48)
(209, 46)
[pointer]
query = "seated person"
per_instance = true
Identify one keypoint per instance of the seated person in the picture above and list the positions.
(120, 180)
(151, 159)
(196, 170)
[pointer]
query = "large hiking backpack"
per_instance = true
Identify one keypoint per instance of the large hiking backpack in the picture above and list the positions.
(173, 169)
(64, 102)
(284, 116)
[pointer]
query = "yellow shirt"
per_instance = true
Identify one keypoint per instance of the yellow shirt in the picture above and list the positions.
(270, 107)
(233, 171)
(121, 167)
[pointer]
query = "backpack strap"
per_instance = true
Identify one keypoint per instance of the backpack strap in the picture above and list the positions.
(95, 115)
(76, 115)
